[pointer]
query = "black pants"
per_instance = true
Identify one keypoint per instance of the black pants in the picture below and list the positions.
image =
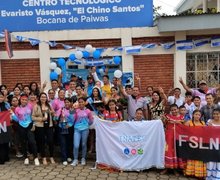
(27, 138)
(66, 144)
(44, 136)
(4, 153)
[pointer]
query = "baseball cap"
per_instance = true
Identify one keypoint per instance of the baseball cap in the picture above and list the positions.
(202, 82)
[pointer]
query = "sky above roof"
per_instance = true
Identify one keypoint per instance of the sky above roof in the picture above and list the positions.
(167, 6)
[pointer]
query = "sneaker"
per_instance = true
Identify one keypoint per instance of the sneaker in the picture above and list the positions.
(74, 163)
(44, 161)
(36, 162)
(26, 161)
(69, 160)
(19, 155)
(52, 160)
(65, 163)
(83, 162)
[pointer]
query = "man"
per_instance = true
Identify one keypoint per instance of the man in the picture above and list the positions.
(201, 92)
(135, 101)
(208, 108)
(176, 98)
(54, 87)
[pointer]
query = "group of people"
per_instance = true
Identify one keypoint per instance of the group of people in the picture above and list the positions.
(63, 114)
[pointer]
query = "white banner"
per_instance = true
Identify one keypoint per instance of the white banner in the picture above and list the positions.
(130, 145)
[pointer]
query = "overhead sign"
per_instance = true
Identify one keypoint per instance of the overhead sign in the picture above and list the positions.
(40, 15)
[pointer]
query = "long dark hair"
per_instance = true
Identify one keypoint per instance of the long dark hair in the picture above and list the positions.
(160, 99)
(194, 112)
(39, 102)
(37, 90)
(99, 94)
(114, 101)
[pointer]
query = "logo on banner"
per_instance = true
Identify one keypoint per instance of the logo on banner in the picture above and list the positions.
(133, 151)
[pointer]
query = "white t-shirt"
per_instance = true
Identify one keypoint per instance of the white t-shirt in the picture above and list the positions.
(179, 102)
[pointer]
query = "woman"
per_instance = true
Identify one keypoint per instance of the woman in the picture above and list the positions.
(26, 90)
(93, 103)
(4, 90)
(16, 93)
(157, 106)
(34, 88)
(65, 118)
(32, 100)
(22, 115)
(4, 143)
(83, 118)
(42, 117)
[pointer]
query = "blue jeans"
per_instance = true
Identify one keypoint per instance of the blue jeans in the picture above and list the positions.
(78, 136)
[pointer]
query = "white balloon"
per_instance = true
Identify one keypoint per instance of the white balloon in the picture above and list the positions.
(79, 54)
(118, 74)
(93, 49)
(89, 48)
(53, 65)
(58, 70)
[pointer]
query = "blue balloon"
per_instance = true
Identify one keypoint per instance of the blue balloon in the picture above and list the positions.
(117, 60)
(85, 54)
(53, 75)
(61, 62)
(96, 54)
(72, 57)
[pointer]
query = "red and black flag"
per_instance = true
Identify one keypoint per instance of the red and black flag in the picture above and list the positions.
(5, 127)
(8, 44)
(198, 143)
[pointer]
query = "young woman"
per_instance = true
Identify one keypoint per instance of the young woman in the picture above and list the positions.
(51, 96)
(194, 167)
(72, 90)
(112, 114)
(213, 168)
(34, 88)
(4, 143)
(16, 93)
(22, 115)
(157, 105)
(26, 90)
(4, 90)
(114, 93)
(42, 117)
(32, 100)
(171, 160)
(65, 119)
(83, 118)
(15, 135)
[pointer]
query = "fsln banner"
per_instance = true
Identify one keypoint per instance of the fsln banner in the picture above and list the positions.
(4, 127)
(130, 145)
(39, 15)
(198, 143)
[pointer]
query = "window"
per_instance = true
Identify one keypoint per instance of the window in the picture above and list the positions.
(202, 66)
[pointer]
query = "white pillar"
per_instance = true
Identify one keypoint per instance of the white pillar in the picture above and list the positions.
(218, 5)
(44, 56)
(179, 61)
(127, 60)
(204, 6)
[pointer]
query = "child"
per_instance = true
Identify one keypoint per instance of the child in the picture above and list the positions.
(213, 168)
(65, 118)
(182, 111)
(194, 167)
(112, 114)
(189, 104)
(83, 118)
(171, 160)
(22, 115)
(139, 115)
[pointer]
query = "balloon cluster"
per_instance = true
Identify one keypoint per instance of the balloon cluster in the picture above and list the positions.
(56, 71)
(88, 52)
(76, 57)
